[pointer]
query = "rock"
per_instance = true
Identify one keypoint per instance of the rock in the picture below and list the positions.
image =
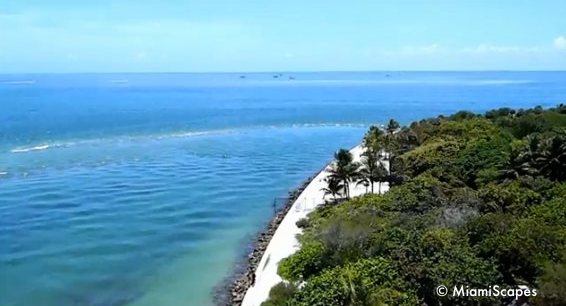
(232, 291)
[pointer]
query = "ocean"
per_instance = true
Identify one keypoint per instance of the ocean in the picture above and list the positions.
(144, 189)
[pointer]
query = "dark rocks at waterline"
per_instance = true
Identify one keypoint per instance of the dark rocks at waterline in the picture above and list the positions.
(232, 290)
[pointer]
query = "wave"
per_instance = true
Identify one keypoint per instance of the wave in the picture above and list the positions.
(150, 137)
(328, 124)
(117, 139)
(194, 133)
(29, 149)
(23, 82)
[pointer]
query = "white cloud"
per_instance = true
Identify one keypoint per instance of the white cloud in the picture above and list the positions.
(501, 49)
(425, 49)
(485, 48)
(481, 49)
(560, 42)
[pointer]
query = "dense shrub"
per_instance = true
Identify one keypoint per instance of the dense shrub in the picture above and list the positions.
(365, 282)
(475, 200)
(480, 156)
(303, 223)
(308, 261)
(552, 283)
(280, 295)
(441, 154)
(504, 198)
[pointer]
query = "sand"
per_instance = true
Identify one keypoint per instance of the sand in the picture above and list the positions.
(284, 242)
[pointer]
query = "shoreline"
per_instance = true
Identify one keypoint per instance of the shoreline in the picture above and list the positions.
(231, 291)
(282, 241)
(237, 288)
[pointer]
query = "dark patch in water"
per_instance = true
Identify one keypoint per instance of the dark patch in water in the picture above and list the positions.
(119, 294)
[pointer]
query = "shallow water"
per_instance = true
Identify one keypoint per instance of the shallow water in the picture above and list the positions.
(142, 189)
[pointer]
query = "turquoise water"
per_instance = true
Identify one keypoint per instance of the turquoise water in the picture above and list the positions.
(143, 189)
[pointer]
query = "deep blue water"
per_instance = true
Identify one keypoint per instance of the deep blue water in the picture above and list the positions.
(140, 189)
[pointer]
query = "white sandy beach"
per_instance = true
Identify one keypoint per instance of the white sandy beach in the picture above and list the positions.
(284, 241)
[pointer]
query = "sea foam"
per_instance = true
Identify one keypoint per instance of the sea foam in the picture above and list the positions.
(29, 149)
(23, 82)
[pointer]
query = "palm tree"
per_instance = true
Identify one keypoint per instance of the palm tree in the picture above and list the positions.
(364, 182)
(552, 158)
(406, 140)
(392, 126)
(357, 293)
(350, 286)
(381, 175)
(522, 161)
(344, 169)
(373, 137)
(335, 187)
(370, 161)
(532, 150)
(515, 167)
(372, 169)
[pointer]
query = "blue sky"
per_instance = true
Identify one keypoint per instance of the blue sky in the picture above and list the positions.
(290, 35)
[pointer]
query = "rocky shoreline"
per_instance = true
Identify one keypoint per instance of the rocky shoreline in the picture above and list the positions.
(233, 289)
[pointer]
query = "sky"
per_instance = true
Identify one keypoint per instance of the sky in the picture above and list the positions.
(66, 36)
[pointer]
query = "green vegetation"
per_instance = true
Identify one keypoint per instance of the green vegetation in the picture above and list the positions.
(343, 171)
(475, 200)
(372, 169)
